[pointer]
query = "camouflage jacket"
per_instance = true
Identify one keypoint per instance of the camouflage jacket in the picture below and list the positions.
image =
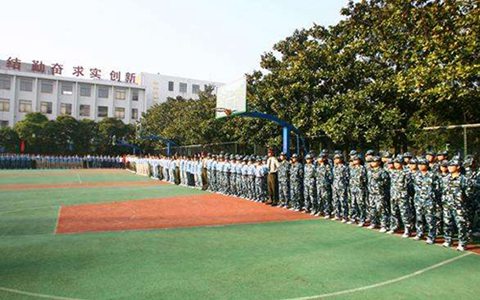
(340, 176)
(399, 181)
(377, 181)
(296, 173)
(284, 171)
(324, 176)
(358, 178)
(455, 191)
(426, 186)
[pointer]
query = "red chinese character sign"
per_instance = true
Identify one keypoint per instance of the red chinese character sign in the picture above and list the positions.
(130, 77)
(57, 69)
(77, 71)
(38, 66)
(115, 76)
(95, 73)
(14, 63)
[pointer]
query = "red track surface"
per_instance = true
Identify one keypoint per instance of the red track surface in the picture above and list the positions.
(185, 211)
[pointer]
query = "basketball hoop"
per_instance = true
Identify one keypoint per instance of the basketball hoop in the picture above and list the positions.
(226, 111)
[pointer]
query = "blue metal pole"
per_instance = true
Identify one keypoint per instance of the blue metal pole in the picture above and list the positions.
(298, 144)
(286, 141)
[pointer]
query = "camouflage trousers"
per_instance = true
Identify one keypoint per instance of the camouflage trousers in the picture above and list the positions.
(244, 187)
(324, 198)
(209, 180)
(233, 184)
(357, 206)
(399, 211)
(340, 202)
(251, 187)
(439, 216)
(259, 191)
(454, 215)
(310, 195)
(283, 191)
(378, 212)
(296, 195)
(425, 217)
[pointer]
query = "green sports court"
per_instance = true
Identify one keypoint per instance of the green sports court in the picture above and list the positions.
(111, 234)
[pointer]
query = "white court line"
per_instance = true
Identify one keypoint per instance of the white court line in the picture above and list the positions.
(58, 220)
(79, 180)
(19, 292)
(363, 288)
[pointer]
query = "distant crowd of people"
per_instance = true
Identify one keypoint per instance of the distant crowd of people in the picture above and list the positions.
(424, 196)
(32, 161)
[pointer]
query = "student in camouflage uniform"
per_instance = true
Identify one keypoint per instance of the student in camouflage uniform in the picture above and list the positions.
(426, 188)
(454, 197)
(296, 183)
(283, 181)
(309, 186)
(244, 184)
(324, 179)
(471, 199)
(399, 202)
(251, 179)
(377, 181)
(340, 188)
(357, 191)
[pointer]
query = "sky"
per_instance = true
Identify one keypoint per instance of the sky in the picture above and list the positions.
(202, 39)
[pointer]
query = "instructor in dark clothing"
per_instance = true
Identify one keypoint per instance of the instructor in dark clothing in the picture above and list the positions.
(272, 179)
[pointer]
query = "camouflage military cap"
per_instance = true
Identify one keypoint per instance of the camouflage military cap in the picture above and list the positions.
(430, 152)
(442, 153)
(422, 161)
(325, 151)
(375, 159)
(407, 155)
(338, 156)
(386, 154)
(398, 159)
(444, 163)
(413, 161)
(232, 156)
(455, 162)
(308, 156)
(295, 155)
(282, 154)
(370, 152)
(353, 152)
(245, 158)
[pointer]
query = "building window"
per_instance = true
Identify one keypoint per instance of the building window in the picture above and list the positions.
(134, 95)
(134, 114)
(103, 92)
(67, 88)
(4, 105)
(46, 87)
(26, 85)
(66, 109)
(46, 107)
(102, 111)
(171, 86)
(3, 124)
(120, 94)
(85, 90)
(4, 82)
(84, 110)
(183, 87)
(195, 89)
(25, 106)
(119, 112)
